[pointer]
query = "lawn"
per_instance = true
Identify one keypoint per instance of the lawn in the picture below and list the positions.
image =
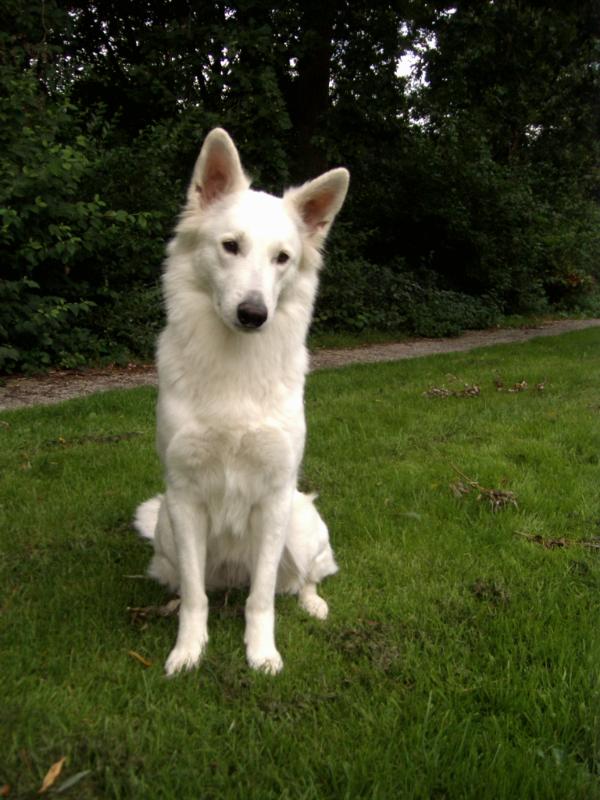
(461, 657)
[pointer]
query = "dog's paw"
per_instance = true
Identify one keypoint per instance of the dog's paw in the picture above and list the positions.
(315, 606)
(270, 663)
(183, 658)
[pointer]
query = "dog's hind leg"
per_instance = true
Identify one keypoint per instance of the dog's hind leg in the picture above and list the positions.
(308, 557)
(146, 517)
(152, 522)
(310, 601)
(163, 566)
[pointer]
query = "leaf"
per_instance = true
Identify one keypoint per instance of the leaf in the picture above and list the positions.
(143, 613)
(73, 780)
(438, 391)
(593, 543)
(559, 542)
(52, 775)
(411, 515)
(140, 658)
(469, 390)
(519, 387)
(4, 790)
(459, 488)
(497, 498)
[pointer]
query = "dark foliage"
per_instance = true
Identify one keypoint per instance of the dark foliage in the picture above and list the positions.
(474, 189)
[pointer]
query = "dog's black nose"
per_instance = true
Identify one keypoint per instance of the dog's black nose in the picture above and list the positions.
(252, 312)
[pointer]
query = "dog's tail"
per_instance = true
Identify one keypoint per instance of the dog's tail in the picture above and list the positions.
(146, 517)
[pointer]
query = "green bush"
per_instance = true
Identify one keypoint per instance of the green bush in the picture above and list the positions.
(440, 312)
(474, 192)
(130, 323)
(357, 294)
(62, 248)
(39, 331)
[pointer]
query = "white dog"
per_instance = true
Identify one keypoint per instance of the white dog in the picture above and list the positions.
(240, 283)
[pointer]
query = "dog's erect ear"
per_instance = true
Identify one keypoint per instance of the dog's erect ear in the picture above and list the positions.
(318, 202)
(218, 170)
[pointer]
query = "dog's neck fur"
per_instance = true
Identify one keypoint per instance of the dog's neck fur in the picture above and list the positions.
(192, 319)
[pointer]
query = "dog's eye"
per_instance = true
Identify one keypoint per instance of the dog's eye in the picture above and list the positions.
(231, 246)
(282, 257)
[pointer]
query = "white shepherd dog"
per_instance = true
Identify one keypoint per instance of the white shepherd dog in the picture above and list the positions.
(240, 282)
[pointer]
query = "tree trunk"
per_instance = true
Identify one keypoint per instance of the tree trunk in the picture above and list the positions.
(311, 98)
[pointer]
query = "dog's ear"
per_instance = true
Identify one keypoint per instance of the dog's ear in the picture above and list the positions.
(218, 170)
(318, 201)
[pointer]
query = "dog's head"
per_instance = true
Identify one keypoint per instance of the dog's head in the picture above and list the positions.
(249, 246)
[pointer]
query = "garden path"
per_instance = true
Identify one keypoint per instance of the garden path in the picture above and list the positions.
(59, 385)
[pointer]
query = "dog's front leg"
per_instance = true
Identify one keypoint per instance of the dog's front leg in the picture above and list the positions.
(269, 523)
(190, 529)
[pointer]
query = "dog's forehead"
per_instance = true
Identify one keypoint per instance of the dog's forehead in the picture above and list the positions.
(260, 216)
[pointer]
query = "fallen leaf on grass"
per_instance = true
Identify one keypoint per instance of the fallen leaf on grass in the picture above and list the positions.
(459, 489)
(520, 386)
(549, 544)
(438, 391)
(561, 542)
(411, 515)
(143, 613)
(470, 390)
(592, 544)
(473, 390)
(72, 781)
(497, 498)
(140, 658)
(110, 438)
(52, 775)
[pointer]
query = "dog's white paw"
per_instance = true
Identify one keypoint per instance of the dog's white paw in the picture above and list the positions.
(315, 606)
(184, 658)
(270, 663)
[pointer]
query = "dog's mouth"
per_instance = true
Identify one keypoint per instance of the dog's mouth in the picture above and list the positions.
(247, 329)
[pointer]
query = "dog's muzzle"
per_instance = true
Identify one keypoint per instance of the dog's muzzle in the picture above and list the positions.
(252, 312)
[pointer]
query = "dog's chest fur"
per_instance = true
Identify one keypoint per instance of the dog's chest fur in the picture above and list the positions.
(231, 418)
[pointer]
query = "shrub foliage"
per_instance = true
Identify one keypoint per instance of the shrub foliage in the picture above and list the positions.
(474, 179)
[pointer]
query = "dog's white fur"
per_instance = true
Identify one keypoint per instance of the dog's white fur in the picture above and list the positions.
(230, 417)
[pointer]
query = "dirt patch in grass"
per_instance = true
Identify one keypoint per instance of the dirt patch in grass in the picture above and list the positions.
(369, 639)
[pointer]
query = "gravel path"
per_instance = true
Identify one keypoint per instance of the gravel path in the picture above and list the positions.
(58, 385)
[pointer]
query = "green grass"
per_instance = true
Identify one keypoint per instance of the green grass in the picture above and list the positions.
(460, 660)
